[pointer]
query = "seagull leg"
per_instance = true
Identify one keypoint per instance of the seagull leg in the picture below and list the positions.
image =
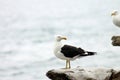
(68, 64)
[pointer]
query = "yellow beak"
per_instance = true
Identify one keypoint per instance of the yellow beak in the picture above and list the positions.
(64, 38)
(112, 14)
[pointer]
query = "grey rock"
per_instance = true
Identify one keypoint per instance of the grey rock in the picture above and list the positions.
(116, 40)
(80, 73)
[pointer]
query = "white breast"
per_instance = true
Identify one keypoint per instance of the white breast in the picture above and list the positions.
(116, 20)
(57, 51)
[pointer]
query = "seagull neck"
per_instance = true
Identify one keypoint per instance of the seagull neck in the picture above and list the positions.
(58, 43)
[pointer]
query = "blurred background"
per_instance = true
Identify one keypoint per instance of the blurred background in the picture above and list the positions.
(27, 29)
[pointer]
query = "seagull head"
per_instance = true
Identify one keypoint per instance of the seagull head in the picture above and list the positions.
(114, 13)
(60, 37)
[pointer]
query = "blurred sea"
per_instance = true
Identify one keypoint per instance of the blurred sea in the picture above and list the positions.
(27, 29)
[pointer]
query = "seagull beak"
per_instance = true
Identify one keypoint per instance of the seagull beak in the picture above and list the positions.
(112, 14)
(64, 38)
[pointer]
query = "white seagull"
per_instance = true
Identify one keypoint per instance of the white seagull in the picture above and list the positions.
(116, 18)
(68, 52)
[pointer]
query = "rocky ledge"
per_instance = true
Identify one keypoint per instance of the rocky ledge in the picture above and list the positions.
(116, 40)
(80, 73)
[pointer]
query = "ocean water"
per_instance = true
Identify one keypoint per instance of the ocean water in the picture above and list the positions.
(27, 29)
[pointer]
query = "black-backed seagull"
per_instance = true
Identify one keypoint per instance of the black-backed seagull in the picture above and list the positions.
(68, 52)
(116, 18)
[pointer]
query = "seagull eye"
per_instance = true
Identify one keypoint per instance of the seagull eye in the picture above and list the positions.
(58, 36)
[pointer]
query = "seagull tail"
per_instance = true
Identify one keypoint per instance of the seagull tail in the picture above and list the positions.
(86, 53)
(91, 53)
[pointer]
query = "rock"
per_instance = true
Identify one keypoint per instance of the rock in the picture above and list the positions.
(115, 75)
(84, 74)
(116, 40)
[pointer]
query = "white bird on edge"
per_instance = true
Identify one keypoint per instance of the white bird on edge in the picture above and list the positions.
(116, 18)
(68, 52)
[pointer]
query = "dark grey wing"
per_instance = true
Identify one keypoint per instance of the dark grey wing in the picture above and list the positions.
(71, 51)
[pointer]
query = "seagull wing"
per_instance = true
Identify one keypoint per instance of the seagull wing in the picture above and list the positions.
(71, 51)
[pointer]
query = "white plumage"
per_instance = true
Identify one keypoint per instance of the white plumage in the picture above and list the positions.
(116, 18)
(58, 46)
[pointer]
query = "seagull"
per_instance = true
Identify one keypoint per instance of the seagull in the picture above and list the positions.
(116, 18)
(68, 52)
